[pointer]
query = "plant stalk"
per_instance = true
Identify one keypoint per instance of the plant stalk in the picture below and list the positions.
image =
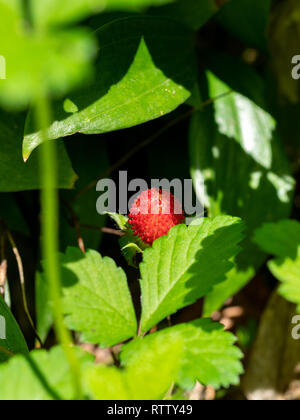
(50, 239)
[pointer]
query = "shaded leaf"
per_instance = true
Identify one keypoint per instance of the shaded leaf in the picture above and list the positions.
(11, 214)
(247, 20)
(237, 184)
(15, 175)
(89, 159)
(282, 239)
(194, 13)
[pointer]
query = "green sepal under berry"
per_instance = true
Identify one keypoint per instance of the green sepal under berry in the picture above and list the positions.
(130, 244)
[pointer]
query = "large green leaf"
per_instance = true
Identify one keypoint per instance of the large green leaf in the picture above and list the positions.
(59, 60)
(11, 337)
(147, 376)
(41, 375)
(208, 356)
(96, 298)
(237, 184)
(282, 239)
(247, 20)
(15, 175)
(145, 69)
(184, 265)
(194, 13)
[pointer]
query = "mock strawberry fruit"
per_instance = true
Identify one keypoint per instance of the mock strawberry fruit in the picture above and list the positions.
(154, 213)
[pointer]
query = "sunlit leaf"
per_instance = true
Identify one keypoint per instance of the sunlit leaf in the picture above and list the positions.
(141, 80)
(209, 355)
(96, 298)
(185, 265)
(41, 375)
(147, 376)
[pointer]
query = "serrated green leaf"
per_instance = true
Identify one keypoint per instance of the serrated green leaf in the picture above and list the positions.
(41, 375)
(96, 298)
(145, 377)
(184, 265)
(209, 355)
(282, 239)
(11, 337)
(147, 69)
(15, 175)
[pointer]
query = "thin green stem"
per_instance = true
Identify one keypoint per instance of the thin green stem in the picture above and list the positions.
(50, 241)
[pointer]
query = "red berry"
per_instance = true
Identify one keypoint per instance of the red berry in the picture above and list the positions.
(154, 213)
